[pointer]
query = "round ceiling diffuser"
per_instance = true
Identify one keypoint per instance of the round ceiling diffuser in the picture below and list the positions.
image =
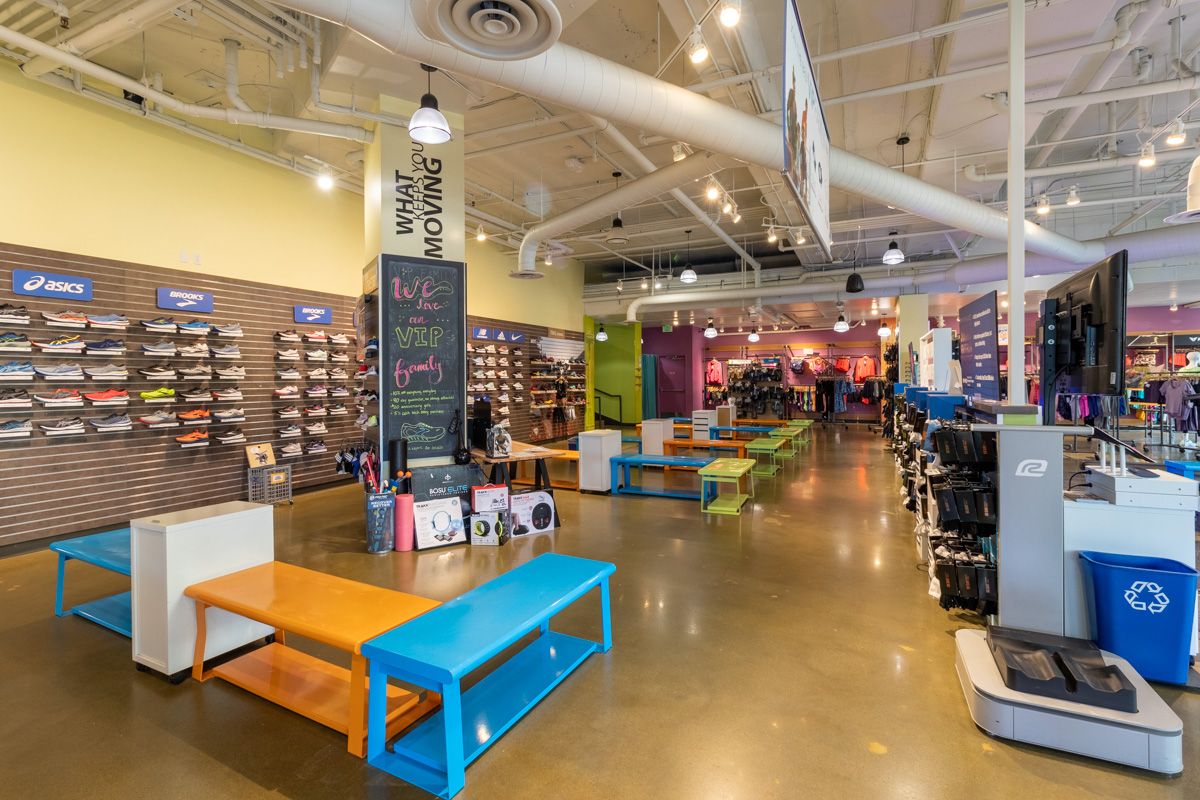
(500, 30)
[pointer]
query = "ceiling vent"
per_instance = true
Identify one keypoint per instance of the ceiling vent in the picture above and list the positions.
(499, 30)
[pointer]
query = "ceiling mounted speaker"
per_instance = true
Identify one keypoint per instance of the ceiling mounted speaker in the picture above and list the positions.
(499, 30)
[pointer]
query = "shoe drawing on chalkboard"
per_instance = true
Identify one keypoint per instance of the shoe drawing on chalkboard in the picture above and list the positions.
(421, 432)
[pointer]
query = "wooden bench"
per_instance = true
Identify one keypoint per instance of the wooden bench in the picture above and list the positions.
(334, 611)
(523, 479)
(438, 649)
(734, 430)
(682, 429)
(675, 445)
(110, 551)
(622, 481)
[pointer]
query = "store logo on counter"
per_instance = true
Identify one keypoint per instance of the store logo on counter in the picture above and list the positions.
(319, 315)
(47, 284)
(1032, 468)
(199, 302)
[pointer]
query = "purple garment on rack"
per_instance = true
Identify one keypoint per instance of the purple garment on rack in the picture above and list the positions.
(1152, 392)
(1173, 392)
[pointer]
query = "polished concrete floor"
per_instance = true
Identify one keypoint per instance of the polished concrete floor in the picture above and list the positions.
(791, 652)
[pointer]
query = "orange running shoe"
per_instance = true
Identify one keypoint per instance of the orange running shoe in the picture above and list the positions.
(195, 414)
(193, 437)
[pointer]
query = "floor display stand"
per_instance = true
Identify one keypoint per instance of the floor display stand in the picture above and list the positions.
(595, 450)
(654, 432)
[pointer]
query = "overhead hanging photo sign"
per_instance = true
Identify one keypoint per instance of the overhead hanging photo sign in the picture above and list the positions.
(805, 136)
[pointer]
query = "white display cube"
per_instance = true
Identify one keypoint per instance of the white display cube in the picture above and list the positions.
(702, 420)
(595, 450)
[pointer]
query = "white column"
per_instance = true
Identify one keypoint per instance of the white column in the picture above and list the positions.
(1016, 202)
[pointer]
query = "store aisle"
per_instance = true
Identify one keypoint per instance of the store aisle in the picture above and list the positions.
(791, 652)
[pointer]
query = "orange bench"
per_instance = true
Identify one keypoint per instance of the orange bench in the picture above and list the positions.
(672, 446)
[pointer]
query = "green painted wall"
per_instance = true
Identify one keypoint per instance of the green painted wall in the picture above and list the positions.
(618, 371)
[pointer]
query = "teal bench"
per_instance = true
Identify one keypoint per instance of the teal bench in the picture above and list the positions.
(108, 551)
(622, 475)
(437, 649)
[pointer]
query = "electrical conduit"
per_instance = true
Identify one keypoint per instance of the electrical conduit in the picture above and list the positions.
(109, 32)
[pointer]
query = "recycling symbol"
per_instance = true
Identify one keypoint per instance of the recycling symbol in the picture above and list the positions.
(1146, 596)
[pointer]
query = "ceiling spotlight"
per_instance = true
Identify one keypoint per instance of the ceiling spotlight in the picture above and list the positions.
(1073, 196)
(1146, 159)
(736, 216)
(739, 328)
(616, 234)
(894, 254)
(726, 206)
(1043, 204)
(772, 237)
(620, 285)
(1176, 137)
(657, 283)
(325, 178)
(688, 275)
(710, 332)
(601, 335)
(549, 257)
(429, 125)
(697, 50)
(677, 152)
(1004, 304)
(1174, 306)
(874, 306)
(798, 238)
(645, 285)
(854, 283)
(753, 335)
(713, 191)
(775, 326)
(479, 234)
(731, 12)
(884, 330)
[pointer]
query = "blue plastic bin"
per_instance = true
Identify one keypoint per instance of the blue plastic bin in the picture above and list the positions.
(1142, 610)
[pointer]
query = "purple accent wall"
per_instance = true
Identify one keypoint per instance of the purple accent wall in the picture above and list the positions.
(685, 341)
(1161, 319)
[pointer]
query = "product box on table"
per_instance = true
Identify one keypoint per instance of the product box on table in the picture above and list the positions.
(491, 528)
(492, 497)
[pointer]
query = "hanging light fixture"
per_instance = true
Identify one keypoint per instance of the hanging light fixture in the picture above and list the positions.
(480, 235)
(697, 50)
(726, 205)
(645, 285)
(601, 335)
(1043, 204)
(616, 234)
(1174, 306)
(688, 275)
(753, 337)
(798, 238)
(1073, 196)
(677, 152)
(736, 216)
(841, 326)
(1146, 159)
(714, 189)
(772, 237)
(731, 12)
(894, 254)
(325, 178)
(1177, 136)
(854, 283)
(875, 307)
(549, 257)
(428, 125)
(884, 330)
(710, 332)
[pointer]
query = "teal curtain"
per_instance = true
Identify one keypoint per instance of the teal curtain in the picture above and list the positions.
(649, 387)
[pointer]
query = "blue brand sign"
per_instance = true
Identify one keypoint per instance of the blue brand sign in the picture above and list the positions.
(313, 315)
(507, 336)
(182, 299)
(47, 284)
(481, 333)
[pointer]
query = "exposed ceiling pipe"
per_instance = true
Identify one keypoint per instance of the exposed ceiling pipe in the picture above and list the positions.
(1135, 92)
(550, 137)
(577, 79)
(520, 126)
(353, 111)
(731, 80)
(972, 172)
(231, 75)
(1148, 206)
(231, 115)
(117, 29)
(659, 182)
(630, 149)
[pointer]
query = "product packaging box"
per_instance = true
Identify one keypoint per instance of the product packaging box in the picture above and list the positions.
(499, 442)
(492, 497)
(532, 512)
(491, 528)
(437, 523)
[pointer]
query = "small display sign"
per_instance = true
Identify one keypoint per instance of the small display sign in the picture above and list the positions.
(185, 300)
(481, 333)
(507, 336)
(49, 284)
(313, 315)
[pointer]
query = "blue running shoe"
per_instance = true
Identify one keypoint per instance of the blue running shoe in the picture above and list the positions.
(110, 345)
(159, 324)
(14, 341)
(16, 368)
(226, 350)
(161, 348)
(232, 329)
(16, 427)
(68, 370)
(195, 326)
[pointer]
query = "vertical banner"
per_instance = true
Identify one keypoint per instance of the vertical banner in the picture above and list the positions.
(422, 361)
(805, 136)
(980, 355)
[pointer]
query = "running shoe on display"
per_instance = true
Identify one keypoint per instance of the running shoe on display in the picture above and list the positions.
(108, 371)
(339, 338)
(503, 411)
(518, 376)
(489, 386)
(293, 449)
(287, 336)
(491, 348)
(316, 391)
(367, 396)
(158, 418)
(491, 373)
(503, 374)
(64, 425)
(371, 422)
(503, 362)
(58, 396)
(476, 387)
(317, 355)
(108, 395)
(228, 393)
(339, 355)
(286, 391)
(503, 398)
(194, 349)
(518, 386)
(502, 350)
(14, 341)
(318, 373)
(362, 418)
(163, 348)
(371, 345)
(68, 370)
(289, 412)
(68, 341)
(226, 351)
(159, 324)
(73, 317)
(477, 361)
(339, 373)
(111, 421)
(371, 372)
(14, 398)
(230, 415)
(337, 408)
(517, 351)
(316, 410)
(15, 427)
(195, 326)
(161, 393)
(491, 362)
(339, 391)
(232, 372)
(193, 437)
(476, 374)
(196, 371)
(289, 374)
(162, 372)
(196, 393)
(288, 355)
(315, 427)
(315, 447)
(232, 329)
(316, 336)
(11, 313)
(231, 437)
(195, 415)
(288, 431)
(108, 320)
(106, 346)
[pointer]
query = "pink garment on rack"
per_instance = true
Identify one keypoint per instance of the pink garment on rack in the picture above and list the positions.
(713, 372)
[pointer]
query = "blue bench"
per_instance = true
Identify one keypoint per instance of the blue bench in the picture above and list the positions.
(108, 551)
(439, 648)
(632, 440)
(622, 480)
(1188, 469)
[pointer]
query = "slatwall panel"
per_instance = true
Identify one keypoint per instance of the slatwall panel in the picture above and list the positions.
(526, 426)
(57, 485)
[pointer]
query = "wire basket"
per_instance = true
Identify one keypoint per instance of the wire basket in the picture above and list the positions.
(271, 484)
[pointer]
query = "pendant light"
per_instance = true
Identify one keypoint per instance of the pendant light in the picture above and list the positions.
(1146, 159)
(688, 275)
(429, 125)
(480, 236)
(645, 285)
(710, 332)
(894, 254)
(697, 50)
(854, 283)
(601, 335)
(325, 178)
(549, 257)
(884, 330)
(841, 326)
(1176, 137)
(1073, 196)
(731, 12)
(616, 234)
(753, 337)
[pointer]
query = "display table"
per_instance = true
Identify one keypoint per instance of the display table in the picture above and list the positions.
(726, 471)
(789, 436)
(324, 608)
(673, 447)
(769, 447)
(523, 479)
(110, 551)
(501, 471)
(440, 648)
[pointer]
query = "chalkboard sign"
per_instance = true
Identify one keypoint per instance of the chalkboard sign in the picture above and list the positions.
(422, 336)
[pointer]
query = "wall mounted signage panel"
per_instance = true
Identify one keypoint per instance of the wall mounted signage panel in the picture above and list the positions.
(512, 337)
(806, 139)
(980, 356)
(185, 300)
(481, 333)
(49, 284)
(313, 315)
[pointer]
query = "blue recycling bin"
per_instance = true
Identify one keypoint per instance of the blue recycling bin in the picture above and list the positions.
(1142, 609)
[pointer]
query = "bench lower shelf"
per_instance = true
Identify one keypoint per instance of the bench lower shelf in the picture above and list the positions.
(114, 613)
(489, 708)
(727, 503)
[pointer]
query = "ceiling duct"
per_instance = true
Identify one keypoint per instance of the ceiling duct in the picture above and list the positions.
(501, 30)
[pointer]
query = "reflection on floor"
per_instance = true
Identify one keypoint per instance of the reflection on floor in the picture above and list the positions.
(787, 653)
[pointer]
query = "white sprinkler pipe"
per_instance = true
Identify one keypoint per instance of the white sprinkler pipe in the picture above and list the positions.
(121, 27)
(231, 75)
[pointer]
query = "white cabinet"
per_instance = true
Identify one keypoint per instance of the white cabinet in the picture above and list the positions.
(702, 420)
(595, 450)
(171, 552)
(936, 348)
(654, 433)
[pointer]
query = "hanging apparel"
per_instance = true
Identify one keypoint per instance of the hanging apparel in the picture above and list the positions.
(864, 368)
(1173, 392)
(842, 365)
(712, 373)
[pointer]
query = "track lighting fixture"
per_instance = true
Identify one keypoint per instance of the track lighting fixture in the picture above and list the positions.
(677, 152)
(875, 307)
(775, 326)
(480, 235)
(798, 238)
(1174, 306)
(428, 125)
(1043, 204)
(1073, 196)
(753, 337)
(620, 286)
(735, 216)
(884, 330)
(726, 205)
(1146, 159)
(697, 50)
(325, 178)
(713, 191)
(601, 335)
(710, 332)
(731, 12)
(894, 254)
(772, 237)
(688, 275)
(549, 257)
(1176, 137)
(645, 285)
(854, 283)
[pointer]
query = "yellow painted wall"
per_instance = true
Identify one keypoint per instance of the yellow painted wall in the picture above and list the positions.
(555, 301)
(83, 178)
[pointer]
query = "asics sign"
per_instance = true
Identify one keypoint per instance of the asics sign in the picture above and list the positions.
(199, 302)
(319, 315)
(47, 284)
